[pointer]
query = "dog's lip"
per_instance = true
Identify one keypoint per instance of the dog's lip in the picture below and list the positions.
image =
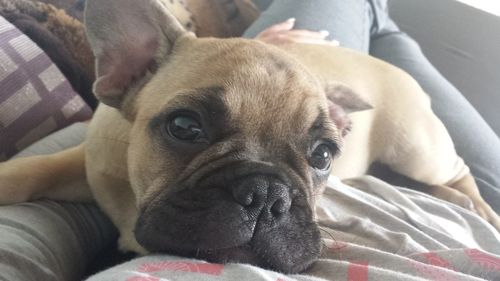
(146, 231)
(248, 255)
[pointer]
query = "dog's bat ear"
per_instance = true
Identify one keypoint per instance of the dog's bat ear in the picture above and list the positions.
(130, 39)
(345, 97)
(342, 100)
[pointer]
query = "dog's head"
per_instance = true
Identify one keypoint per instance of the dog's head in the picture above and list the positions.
(232, 139)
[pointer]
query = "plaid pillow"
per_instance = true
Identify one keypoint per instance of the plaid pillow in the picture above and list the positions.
(35, 97)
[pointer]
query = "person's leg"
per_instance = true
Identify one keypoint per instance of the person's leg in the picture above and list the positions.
(48, 240)
(349, 22)
(474, 140)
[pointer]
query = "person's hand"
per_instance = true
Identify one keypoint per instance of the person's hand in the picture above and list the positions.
(282, 33)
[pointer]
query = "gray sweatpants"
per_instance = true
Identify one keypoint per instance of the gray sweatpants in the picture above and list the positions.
(364, 25)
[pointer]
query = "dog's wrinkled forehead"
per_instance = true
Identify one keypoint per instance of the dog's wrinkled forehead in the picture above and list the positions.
(272, 86)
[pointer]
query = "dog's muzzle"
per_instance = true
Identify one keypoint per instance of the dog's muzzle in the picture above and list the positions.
(258, 217)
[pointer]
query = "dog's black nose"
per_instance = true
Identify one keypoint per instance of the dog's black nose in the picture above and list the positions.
(263, 192)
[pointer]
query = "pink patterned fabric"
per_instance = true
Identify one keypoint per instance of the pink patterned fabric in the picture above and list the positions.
(35, 97)
(206, 268)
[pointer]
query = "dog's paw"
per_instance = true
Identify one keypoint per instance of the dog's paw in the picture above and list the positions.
(453, 196)
(485, 211)
(475, 203)
(128, 243)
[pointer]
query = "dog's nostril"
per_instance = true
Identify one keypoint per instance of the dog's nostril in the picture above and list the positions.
(251, 192)
(279, 199)
(244, 199)
(280, 207)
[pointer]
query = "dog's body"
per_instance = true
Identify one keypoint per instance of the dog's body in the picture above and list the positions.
(221, 148)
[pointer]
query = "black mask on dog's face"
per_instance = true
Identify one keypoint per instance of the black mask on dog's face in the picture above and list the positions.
(244, 212)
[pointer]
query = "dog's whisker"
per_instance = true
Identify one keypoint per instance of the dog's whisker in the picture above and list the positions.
(336, 245)
(327, 232)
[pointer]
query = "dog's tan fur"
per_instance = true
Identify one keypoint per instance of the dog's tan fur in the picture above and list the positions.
(126, 167)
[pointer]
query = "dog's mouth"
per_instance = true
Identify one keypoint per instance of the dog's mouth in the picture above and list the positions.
(275, 232)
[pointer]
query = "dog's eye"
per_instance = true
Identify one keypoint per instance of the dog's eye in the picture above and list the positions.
(186, 128)
(321, 157)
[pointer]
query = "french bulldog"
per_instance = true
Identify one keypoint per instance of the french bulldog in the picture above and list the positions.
(219, 149)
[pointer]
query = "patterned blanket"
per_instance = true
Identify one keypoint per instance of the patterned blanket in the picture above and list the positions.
(35, 98)
(373, 231)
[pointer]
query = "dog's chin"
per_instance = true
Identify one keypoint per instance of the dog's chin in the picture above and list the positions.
(245, 254)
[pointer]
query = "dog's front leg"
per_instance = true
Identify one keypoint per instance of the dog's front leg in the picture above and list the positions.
(117, 200)
(59, 176)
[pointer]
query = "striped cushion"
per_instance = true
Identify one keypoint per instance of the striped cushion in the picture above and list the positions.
(35, 97)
